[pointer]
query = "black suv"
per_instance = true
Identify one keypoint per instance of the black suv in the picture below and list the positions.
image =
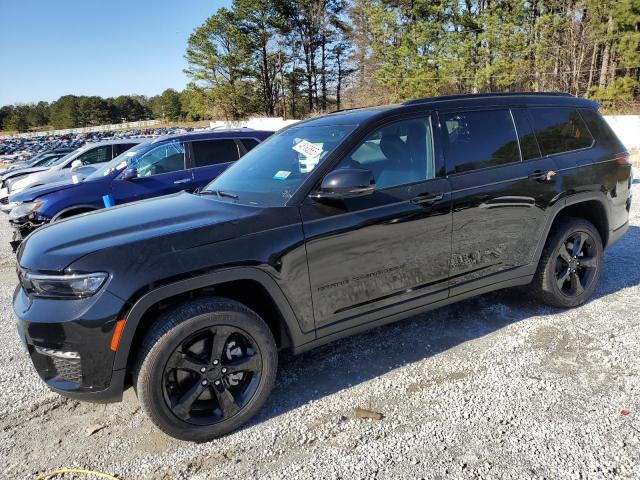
(330, 227)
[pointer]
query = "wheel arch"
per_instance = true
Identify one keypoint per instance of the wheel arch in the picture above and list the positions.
(591, 206)
(79, 208)
(248, 285)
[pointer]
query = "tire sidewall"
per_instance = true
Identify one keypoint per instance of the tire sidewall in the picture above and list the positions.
(151, 389)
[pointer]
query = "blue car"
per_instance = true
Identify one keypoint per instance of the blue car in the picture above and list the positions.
(161, 166)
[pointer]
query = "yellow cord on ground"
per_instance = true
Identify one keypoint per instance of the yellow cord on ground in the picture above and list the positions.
(62, 471)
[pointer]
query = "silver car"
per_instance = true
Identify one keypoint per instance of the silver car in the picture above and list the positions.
(72, 167)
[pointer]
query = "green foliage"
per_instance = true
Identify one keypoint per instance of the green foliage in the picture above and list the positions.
(623, 89)
(167, 105)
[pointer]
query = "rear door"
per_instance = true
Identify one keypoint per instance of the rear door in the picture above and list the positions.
(209, 158)
(161, 171)
(501, 190)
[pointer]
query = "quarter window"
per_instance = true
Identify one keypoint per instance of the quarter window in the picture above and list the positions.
(560, 129)
(479, 139)
(397, 154)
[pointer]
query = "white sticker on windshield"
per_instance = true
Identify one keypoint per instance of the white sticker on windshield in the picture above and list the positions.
(75, 179)
(308, 149)
(282, 175)
(130, 154)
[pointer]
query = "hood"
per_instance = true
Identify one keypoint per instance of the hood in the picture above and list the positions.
(154, 224)
(47, 177)
(22, 171)
(31, 194)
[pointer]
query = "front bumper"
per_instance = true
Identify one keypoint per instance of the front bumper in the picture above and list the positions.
(69, 343)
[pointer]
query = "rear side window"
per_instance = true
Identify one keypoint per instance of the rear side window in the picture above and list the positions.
(560, 129)
(121, 148)
(480, 139)
(601, 130)
(528, 142)
(212, 152)
(249, 143)
(96, 155)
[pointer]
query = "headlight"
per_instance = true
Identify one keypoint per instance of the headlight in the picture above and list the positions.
(63, 286)
(24, 210)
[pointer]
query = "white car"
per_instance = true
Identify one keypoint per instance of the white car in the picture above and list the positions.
(78, 163)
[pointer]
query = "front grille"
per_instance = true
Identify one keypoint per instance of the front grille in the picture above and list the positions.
(68, 369)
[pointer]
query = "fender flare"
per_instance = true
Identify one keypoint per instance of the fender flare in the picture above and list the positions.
(141, 305)
(558, 207)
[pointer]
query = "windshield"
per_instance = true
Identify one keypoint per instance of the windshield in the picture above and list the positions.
(119, 163)
(270, 173)
(47, 161)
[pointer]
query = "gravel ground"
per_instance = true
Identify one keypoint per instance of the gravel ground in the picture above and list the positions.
(492, 387)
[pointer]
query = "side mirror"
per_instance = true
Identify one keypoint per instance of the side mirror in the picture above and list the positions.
(346, 183)
(129, 173)
(76, 164)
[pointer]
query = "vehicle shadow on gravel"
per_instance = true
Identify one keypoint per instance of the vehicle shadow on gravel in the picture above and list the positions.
(357, 359)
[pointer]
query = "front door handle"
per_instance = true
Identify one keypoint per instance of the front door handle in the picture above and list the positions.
(183, 180)
(427, 199)
(541, 176)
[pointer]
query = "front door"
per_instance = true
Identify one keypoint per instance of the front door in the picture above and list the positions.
(161, 171)
(387, 252)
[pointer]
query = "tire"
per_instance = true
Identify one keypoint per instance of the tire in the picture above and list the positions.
(176, 351)
(554, 282)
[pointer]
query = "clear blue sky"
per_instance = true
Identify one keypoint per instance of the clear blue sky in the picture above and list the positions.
(50, 48)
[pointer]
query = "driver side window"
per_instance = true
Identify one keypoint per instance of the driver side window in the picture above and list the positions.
(398, 153)
(165, 158)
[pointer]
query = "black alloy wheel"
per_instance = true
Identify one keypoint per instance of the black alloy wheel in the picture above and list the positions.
(576, 264)
(212, 375)
(570, 264)
(205, 368)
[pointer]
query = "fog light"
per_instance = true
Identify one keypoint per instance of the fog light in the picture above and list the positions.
(58, 353)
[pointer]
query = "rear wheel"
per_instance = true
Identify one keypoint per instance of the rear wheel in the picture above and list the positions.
(205, 369)
(570, 265)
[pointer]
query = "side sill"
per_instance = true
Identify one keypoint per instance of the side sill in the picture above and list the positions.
(321, 340)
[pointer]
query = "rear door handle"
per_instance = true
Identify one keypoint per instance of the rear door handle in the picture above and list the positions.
(541, 176)
(427, 199)
(183, 180)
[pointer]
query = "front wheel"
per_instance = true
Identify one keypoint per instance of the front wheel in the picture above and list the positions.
(205, 369)
(570, 265)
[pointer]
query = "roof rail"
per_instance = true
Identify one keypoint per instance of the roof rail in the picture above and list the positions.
(482, 95)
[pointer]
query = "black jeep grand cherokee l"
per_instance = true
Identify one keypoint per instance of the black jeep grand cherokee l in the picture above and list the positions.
(330, 227)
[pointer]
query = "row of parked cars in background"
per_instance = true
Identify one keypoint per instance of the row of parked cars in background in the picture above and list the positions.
(18, 149)
(103, 174)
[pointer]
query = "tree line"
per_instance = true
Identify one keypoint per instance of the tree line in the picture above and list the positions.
(300, 57)
(295, 58)
(71, 111)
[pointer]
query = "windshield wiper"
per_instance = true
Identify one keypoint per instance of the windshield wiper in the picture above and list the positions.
(220, 193)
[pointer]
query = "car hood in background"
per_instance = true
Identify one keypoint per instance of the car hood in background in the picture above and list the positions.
(51, 176)
(22, 171)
